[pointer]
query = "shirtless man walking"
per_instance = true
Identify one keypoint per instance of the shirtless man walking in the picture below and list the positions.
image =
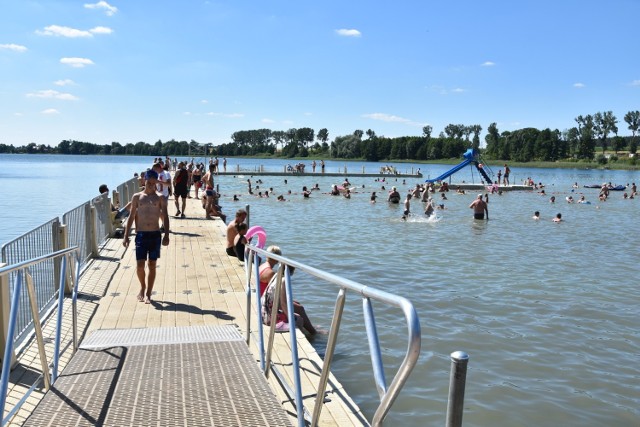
(479, 207)
(147, 208)
(232, 231)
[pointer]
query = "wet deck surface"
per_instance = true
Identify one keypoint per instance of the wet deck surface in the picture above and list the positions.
(198, 287)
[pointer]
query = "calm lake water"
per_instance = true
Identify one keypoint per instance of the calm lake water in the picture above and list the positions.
(547, 312)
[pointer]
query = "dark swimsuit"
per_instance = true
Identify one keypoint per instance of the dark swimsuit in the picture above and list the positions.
(239, 248)
(148, 243)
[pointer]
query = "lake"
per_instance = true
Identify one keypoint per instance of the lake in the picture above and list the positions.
(548, 313)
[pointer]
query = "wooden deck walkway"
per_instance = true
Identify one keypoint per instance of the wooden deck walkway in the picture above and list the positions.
(197, 286)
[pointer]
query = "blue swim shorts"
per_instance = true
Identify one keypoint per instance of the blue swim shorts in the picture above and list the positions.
(148, 243)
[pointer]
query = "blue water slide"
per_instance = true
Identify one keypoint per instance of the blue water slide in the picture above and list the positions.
(469, 156)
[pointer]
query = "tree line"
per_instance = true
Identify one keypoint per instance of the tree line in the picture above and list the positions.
(580, 142)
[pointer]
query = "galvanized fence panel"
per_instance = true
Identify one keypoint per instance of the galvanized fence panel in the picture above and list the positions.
(77, 221)
(123, 194)
(126, 190)
(45, 239)
(102, 205)
(38, 242)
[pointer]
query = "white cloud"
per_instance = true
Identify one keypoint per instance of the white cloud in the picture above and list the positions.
(226, 115)
(186, 113)
(108, 9)
(488, 64)
(52, 94)
(60, 31)
(50, 111)
(57, 30)
(441, 90)
(13, 47)
(383, 117)
(578, 85)
(635, 83)
(76, 62)
(348, 33)
(390, 118)
(267, 121)
(204, 101)
(101, 30)
(64, 82)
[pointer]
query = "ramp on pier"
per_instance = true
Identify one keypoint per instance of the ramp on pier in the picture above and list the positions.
(196, 376)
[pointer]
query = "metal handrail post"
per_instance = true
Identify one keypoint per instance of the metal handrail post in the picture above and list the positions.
(328, 356)
(56, 352)
(457, 382)
(248, 264)
(259, 314)
(374, 347)
(6, 361)
(33, 303)
(411, 319)
(294, 347)
(407, 365)
(274, 322)
(74, 302)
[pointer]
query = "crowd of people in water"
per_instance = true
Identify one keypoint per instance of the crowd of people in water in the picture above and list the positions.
(148, 213)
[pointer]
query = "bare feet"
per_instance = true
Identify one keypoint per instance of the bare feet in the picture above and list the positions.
(147, 300)
(140, 296)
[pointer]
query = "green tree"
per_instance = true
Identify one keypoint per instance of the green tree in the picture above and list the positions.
(603, 125)
(426, 131)
(64, 147)
(633, 120)
(304, 137)
(587, 145)
(370, 134)
(492, 141)
(475, 129)
(323, 135)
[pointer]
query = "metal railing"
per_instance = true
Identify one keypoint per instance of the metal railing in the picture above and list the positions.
(387, 394)
(126, 190)
(85, 227)
(21, 272)
(79, 232)
(39, 241)
(102, 222)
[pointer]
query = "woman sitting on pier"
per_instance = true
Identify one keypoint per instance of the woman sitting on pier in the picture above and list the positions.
(301, 320)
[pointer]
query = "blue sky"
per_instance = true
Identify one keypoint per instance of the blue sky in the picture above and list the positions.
(103, 71)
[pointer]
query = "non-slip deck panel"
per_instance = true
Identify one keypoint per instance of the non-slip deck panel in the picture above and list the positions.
(152, 336)
(187, 384)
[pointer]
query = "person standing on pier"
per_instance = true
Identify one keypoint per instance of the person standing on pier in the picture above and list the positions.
(322, 165)
(208, 177)
(505, 177)
(180, 188)
(147, 209)
(163, 181)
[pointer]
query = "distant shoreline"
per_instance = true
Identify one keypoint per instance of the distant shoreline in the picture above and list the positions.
(580, 165)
